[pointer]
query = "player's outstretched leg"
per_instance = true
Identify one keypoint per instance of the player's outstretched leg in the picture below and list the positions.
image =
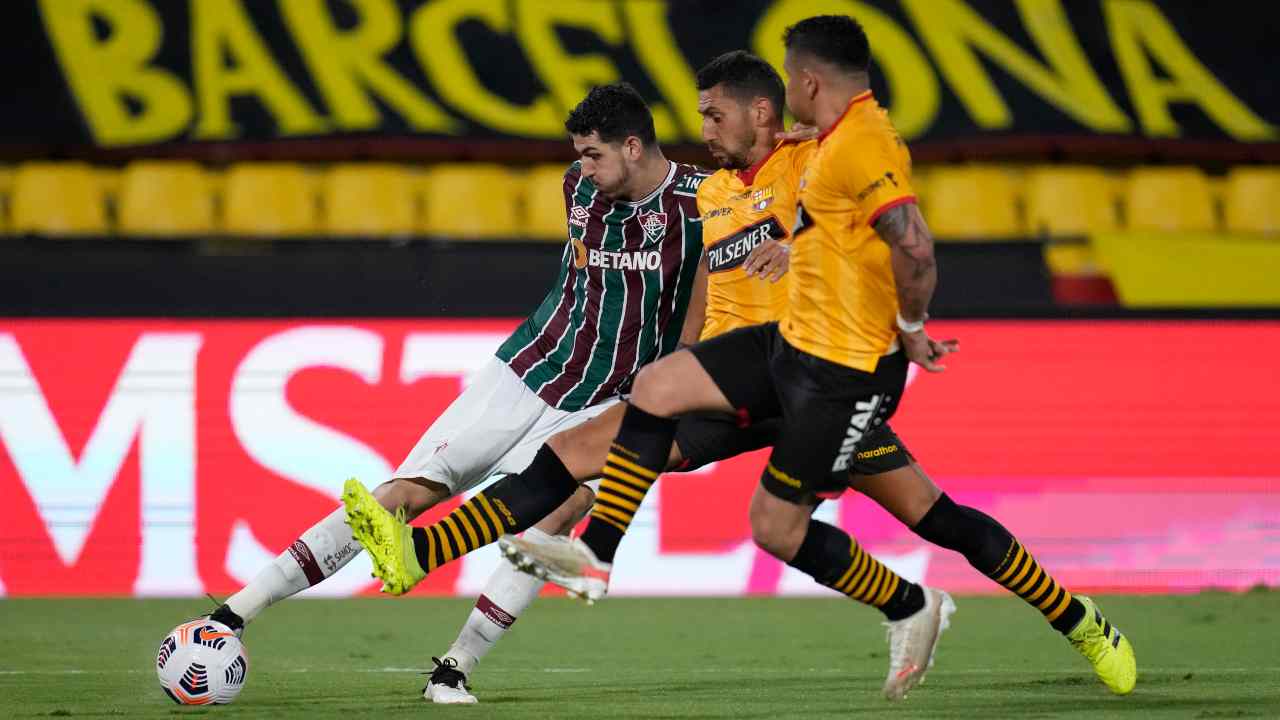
(996, 553)
(322, 550)
(402, 556)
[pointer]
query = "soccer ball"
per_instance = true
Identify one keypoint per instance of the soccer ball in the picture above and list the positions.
(202, 662)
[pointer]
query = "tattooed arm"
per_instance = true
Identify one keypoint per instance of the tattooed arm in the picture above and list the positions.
(916, 274)
(914, 270)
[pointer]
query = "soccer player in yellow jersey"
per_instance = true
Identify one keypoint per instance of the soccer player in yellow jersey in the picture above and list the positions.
(834, 368)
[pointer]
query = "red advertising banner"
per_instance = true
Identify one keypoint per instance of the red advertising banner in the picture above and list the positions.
(174, 458)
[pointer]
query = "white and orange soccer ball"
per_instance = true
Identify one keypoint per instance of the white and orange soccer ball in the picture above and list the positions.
(202, 662)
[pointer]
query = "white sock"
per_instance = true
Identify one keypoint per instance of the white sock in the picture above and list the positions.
(321, 551)
(507, 594)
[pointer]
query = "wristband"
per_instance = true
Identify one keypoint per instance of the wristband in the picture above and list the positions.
(911, 327)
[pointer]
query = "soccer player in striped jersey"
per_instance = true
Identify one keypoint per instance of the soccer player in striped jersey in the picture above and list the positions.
(620, 300)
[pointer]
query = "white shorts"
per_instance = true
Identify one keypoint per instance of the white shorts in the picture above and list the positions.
(494, 427)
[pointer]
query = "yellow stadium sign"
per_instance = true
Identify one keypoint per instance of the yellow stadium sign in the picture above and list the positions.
(147, 71)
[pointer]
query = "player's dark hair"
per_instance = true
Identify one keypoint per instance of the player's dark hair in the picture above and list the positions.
(837, 39)
(616, 112)
(744, 76)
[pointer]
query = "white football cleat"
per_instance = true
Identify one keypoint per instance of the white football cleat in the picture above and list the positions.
(448, 684)
(912, 642)
(567, 563)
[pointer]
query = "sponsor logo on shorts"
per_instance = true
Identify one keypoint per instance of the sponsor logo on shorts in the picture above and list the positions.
(878, 452)
(864, 410)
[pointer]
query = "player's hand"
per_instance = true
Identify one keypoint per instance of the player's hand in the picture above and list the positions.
(769, 261)
(799, 132)
(925, 351)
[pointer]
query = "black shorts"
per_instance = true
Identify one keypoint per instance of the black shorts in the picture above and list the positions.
(707, 437)
(824, 420)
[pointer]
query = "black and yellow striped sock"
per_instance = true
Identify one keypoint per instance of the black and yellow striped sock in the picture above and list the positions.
(511, 505)
(638, 454)
(622, 488)
(833, 558)
(1022, 575)
(476, 523)
(995, 552)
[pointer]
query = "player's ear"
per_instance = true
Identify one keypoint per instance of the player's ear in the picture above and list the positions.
(632, 148)
(762, 112)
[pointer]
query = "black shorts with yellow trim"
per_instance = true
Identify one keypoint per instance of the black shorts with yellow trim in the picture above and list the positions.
(822, 419)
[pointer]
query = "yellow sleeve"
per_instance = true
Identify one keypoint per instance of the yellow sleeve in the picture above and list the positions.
(705, 202)
(877, 174)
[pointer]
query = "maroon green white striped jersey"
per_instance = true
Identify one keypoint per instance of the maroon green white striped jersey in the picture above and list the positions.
(619, 300)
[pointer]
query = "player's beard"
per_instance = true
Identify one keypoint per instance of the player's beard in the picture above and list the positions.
(731, 158)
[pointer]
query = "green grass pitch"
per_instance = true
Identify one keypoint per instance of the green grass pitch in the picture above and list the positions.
(1200, 656)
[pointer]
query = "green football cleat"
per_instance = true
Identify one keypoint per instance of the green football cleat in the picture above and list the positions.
(1106, 649)
(387, 538)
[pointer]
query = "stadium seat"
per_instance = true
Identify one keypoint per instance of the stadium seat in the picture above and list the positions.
(58, 199)
(269, 199)
(1252, 200)
(369, 199)
(973, 202)
(165, 198)
(543, 195)
(1070, 201)
(471, 201)
(1169, 199)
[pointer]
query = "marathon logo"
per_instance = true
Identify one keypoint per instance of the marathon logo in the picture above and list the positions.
(732, 251)
(635, 260)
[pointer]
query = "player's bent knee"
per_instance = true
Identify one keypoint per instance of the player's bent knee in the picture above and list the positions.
(777, 539)
(580, 450)
(780, 535)
(415, 495)
(657, 392)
